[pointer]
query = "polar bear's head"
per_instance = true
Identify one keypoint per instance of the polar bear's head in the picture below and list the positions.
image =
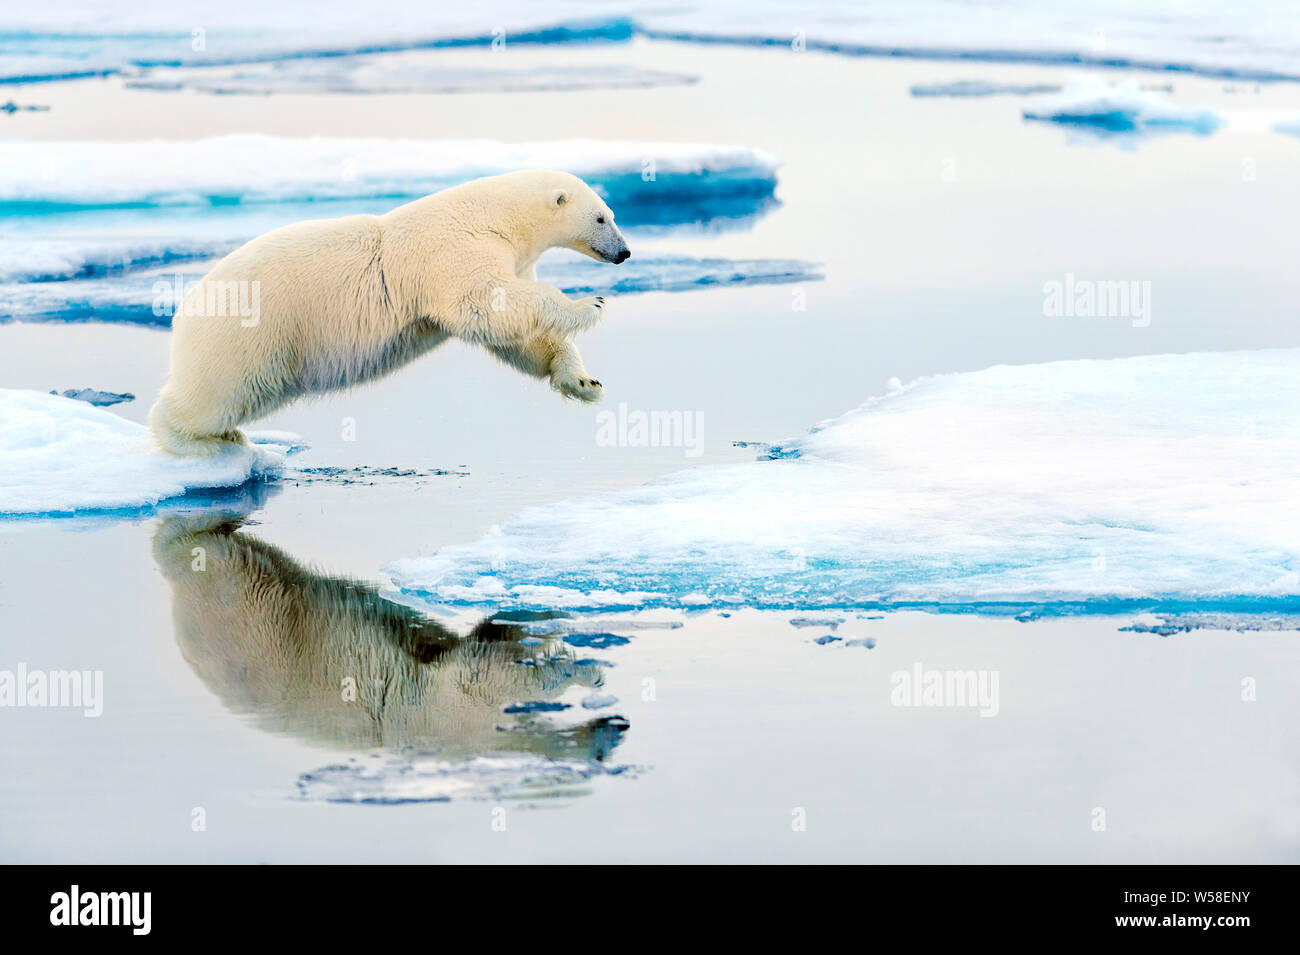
(581, 221)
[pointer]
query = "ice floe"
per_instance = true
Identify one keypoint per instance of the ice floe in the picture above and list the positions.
(255, 168)
(1252, 39)
(62, 456)
(147, 295)
(38, 259)
(966, 89)
(1168, 624)
(393, 74)
(1121, 110)
(1289, 126)
(1159, 483)
(93, 396)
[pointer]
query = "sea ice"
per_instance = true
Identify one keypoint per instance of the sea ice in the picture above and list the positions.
(1124, 110)
(60, 456)
(1162, 482)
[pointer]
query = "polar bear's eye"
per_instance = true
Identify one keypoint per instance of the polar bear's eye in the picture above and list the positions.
(600, 220)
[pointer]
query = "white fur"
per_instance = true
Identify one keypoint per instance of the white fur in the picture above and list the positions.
(344, 301)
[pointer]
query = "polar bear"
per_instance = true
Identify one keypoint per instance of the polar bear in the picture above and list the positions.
(328, 303)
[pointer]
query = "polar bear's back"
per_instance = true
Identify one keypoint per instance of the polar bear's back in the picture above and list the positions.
(283, 308)
(301, 267)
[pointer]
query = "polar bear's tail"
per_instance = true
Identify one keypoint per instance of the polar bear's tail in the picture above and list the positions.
(177, 439)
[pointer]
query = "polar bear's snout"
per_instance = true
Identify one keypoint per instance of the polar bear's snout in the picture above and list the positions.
(611, 246)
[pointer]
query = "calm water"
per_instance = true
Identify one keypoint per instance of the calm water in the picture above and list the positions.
(937, 221)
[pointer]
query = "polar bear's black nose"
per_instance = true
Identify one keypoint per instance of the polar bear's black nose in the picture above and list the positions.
(623, 256)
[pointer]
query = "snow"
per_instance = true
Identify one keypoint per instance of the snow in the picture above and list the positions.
(62, 456)
(1171, 480)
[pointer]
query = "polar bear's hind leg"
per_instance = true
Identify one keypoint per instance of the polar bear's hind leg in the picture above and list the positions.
(179, 440)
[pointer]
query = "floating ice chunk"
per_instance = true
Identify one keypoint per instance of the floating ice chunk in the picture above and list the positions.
(1123, 110)
(659, 272)
(830, 623)
(596, 641)
(1159, 482)
(72, 39)
(598, 701)
(31, 259)
(93, 396)
(399, 74)
(246, 167)
(1290, 127)
(60, 456)
(147, 296)
(981, 88)
(1250, 39)
(1168, 624)
(868, 642)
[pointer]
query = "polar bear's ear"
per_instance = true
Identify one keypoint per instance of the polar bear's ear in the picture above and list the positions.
(559, 197)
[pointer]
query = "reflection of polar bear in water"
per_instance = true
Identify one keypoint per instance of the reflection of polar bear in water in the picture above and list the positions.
(275, 641)
(329, 303)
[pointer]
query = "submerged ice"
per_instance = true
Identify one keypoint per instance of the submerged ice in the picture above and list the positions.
(1164, 482)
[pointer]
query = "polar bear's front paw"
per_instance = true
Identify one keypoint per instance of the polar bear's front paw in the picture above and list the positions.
(588, 312)
(577, 386)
